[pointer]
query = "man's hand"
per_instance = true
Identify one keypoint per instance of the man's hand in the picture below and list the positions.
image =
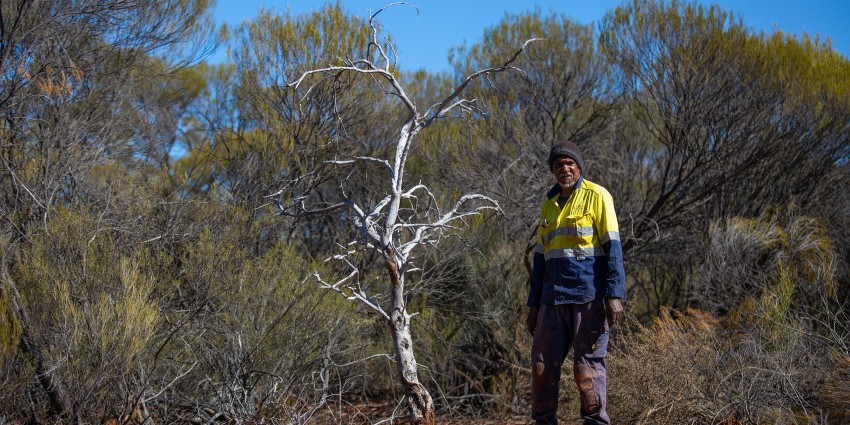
(531, 320)
(613, 310)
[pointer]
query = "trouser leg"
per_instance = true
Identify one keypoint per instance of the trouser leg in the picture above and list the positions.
(549, 349)
(590, 345)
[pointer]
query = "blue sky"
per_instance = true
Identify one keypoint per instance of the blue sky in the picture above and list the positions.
(424, 41)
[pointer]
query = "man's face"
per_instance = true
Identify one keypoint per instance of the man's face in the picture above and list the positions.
(566, 171)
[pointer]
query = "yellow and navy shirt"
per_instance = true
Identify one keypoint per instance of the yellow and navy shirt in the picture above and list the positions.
(578, 256)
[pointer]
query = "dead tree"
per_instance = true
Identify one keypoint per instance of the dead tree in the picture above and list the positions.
(405, 218)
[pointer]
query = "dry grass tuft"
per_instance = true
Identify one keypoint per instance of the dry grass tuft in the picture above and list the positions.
(689, 367)
(835, 391)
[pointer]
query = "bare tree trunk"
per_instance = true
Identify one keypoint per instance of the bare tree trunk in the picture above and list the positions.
(53, 388)
(419, 402)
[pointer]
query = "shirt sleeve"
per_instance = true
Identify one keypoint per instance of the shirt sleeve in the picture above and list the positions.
(609, 235)
(538, 269)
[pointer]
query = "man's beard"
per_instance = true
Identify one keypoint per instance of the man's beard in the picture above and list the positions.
(569, 185)
(570, 180)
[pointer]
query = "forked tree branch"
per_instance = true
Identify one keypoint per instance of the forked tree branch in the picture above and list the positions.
(443, 107)
(351, 283)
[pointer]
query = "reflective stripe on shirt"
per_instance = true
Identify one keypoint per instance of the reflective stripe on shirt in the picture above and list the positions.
(568, 231)
(574, 253)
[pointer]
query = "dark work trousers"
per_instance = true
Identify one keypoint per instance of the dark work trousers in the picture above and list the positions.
(583, 328)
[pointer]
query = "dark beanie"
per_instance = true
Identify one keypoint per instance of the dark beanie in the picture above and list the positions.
(566, 148)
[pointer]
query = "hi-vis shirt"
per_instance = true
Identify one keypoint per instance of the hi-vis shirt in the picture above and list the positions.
(578, 256)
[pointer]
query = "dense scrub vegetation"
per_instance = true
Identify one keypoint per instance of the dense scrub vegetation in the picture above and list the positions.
(145, 273)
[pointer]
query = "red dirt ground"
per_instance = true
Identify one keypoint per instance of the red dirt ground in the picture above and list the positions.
(372, 413)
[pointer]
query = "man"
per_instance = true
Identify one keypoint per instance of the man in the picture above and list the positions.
(577, 287)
